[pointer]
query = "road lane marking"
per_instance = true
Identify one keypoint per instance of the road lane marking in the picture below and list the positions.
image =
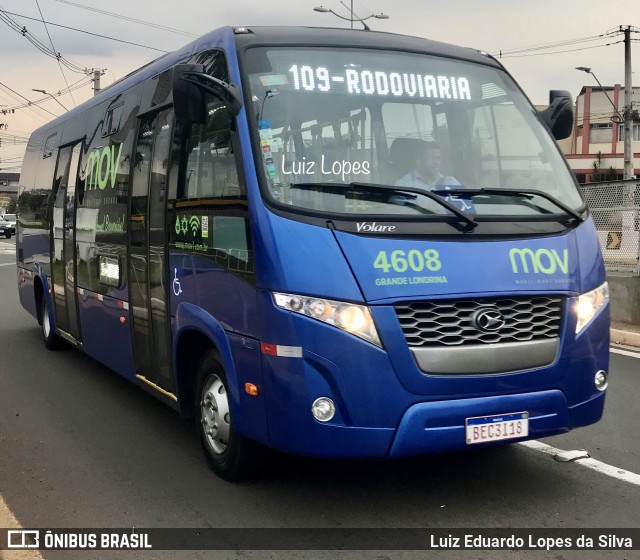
(8, 264)
(8, 521)
(625, 352)
(590, 463)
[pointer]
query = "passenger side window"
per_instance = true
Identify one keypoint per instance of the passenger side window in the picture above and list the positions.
(210, 166)
(497, 136)
(211, 215)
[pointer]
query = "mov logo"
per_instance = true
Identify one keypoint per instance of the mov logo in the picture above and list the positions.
(545, 261)
(102, 167)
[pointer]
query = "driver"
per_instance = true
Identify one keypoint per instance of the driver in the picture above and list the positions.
(426, 174)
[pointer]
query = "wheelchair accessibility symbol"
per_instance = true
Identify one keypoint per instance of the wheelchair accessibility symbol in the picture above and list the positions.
(177, 289)
(460, 203)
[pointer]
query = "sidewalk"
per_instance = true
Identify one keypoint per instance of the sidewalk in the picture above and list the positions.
(625, 334)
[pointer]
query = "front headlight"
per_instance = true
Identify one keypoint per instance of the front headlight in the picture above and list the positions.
(588, 305)
(350, 317)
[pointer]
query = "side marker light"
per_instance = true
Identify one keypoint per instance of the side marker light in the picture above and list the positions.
(251, 389)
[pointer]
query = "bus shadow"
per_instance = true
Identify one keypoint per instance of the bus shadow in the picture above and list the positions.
(438, 486)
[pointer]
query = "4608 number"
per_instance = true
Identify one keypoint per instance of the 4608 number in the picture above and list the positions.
(401, 261)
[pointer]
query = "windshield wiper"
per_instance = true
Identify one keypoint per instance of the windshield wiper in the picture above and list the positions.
(374, 187)
(522, 193)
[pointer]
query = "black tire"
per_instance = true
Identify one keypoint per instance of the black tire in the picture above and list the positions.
(230, 455)
(7, 235)
(51, 340)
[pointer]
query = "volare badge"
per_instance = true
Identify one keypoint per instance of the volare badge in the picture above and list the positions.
(373, 227)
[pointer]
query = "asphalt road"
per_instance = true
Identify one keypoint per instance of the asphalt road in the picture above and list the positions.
(81, 447)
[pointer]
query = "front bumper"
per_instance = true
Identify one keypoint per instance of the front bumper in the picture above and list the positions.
(435, 427)
(440, 426)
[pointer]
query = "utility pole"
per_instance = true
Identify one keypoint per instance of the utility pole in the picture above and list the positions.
(5, 112)
(96, 82)
(628, 113)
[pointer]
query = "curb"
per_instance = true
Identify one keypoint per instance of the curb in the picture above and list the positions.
(625, 338)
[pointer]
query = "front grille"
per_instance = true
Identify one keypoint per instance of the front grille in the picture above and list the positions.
(450, 322)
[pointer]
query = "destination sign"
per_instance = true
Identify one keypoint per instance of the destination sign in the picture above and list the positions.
(354, 80)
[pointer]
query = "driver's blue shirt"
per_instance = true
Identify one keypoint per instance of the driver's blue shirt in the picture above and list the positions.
(416, 181)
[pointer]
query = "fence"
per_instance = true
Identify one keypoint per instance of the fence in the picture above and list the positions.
(615, 207)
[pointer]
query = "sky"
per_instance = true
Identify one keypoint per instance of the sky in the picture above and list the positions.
(541, 42)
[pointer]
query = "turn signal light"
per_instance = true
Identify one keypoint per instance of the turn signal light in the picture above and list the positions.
(251, 389)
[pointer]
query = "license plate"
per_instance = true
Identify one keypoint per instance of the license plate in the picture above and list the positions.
(481, 429)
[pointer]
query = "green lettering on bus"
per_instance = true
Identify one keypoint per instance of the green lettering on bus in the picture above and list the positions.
(90, 169)
(549, 265)
(115, 163)
(97, 174)
(104, 156)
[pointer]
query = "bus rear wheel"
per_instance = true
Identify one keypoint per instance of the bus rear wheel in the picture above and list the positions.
(230, 455)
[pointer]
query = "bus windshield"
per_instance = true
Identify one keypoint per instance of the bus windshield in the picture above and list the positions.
(330, 118)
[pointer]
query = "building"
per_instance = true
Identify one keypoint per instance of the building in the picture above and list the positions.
(8, 188)
(596, 148)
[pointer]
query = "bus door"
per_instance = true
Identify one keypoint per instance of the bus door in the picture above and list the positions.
(147, 250)
(63, 270)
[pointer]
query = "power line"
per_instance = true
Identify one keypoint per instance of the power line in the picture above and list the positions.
(54, 49)
(30, 37)
(568, 42)
(38, 43)
(560, 52)
(21, 132)
(89, 33)
(14, 134)
(12, 159)
(75, 86)
(30, 103)
(126, 18)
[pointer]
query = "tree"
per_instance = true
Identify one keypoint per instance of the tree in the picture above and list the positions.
(600, 174)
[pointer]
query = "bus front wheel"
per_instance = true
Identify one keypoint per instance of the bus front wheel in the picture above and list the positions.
(51, 340)
(230, 455)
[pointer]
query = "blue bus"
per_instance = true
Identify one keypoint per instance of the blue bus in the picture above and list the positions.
(328, 242)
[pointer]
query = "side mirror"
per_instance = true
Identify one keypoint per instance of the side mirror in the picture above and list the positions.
(194, 77)
(558, 116)
(188, 98)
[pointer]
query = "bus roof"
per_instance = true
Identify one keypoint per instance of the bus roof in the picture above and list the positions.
(331, 36)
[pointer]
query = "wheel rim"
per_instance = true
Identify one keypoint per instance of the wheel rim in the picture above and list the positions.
(46, 327)
(216, 420)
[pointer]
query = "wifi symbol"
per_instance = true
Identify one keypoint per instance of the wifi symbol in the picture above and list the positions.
(194, 224)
